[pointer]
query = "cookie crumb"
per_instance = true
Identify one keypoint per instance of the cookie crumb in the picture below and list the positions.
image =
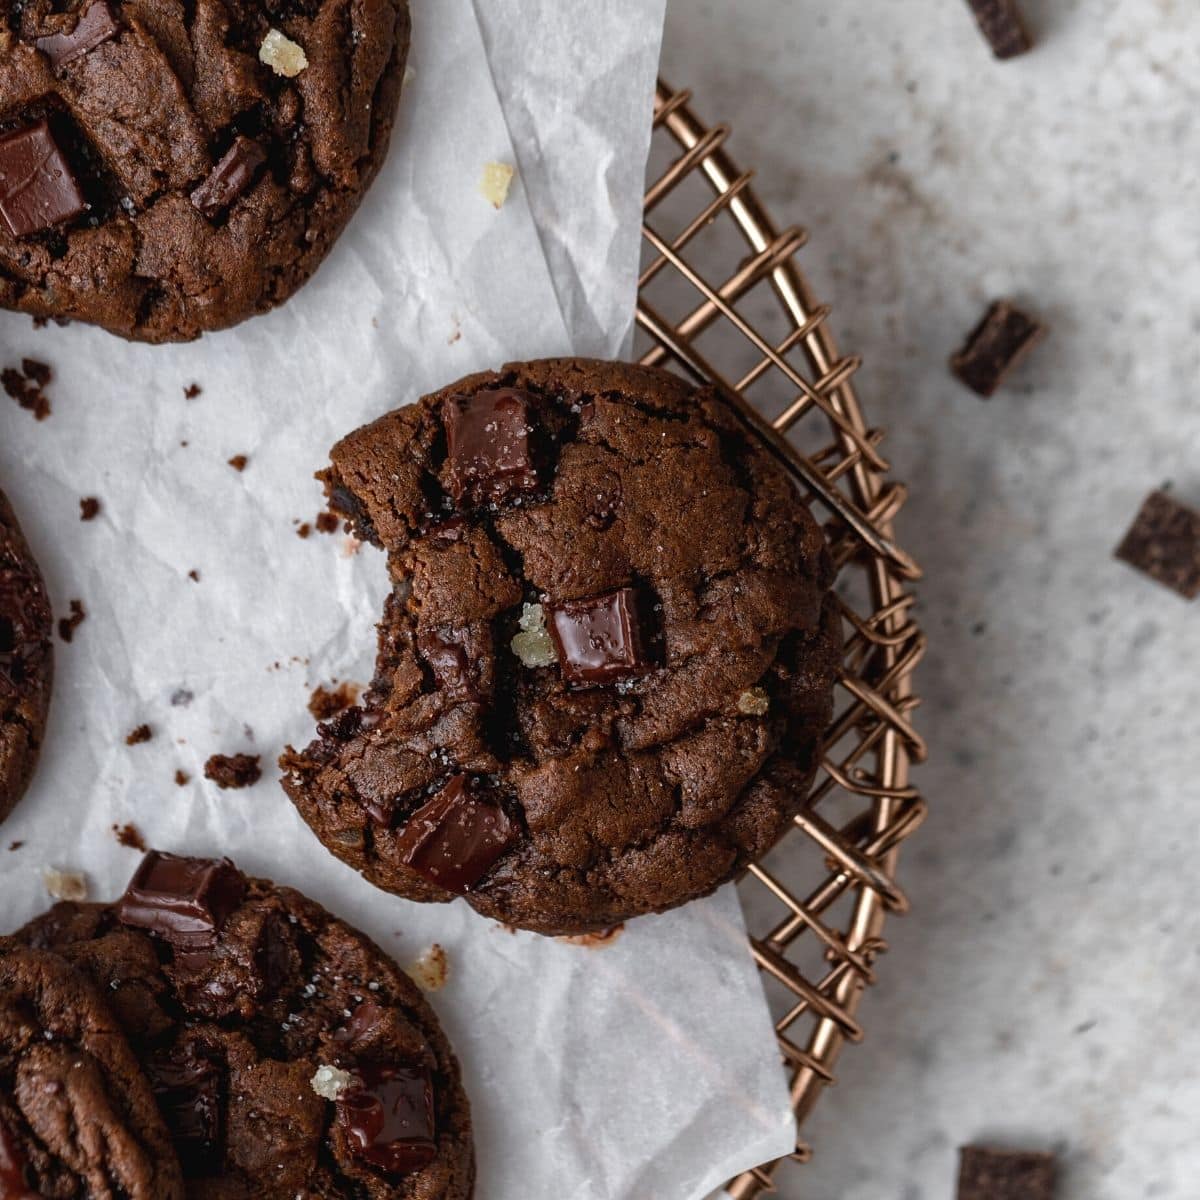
(754, 702)
(238, 462)
(1000, 22)
(328, 702)
(15, 845)
(182, 779)
(282, 55)
(596, 940)
(192, 391)
(431, 970)
(130, 835)
(327, 522)
(26, 385)
(89, 508)
(330, 1082)
(68, 625)
(135, 737)
(495, 181)
(533, 645)
(194, 575)
(304, 530)
(233, 770)
(65, 885)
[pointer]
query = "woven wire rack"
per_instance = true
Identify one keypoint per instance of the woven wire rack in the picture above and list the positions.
(722, 299)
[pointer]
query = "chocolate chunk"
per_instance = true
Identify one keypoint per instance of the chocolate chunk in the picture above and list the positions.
(1003, 27)
(447, 659)
(37, 189)
(367, 1017)
(1164, 542)
(96, 25)
(188, 1090)
(230, 177)
(995, 346)
(599, 640)
(233, 770)
(487, 444)
(12, 1168)
(89, 508)
(985, 1174)
(387, 1116)
(455, 839)
(185, 900)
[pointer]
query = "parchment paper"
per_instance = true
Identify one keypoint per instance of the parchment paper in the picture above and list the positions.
(645, 1069)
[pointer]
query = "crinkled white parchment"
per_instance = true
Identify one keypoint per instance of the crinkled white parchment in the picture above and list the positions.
(645, 1070)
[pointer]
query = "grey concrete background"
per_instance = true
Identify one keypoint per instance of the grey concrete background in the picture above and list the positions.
(1042, 991)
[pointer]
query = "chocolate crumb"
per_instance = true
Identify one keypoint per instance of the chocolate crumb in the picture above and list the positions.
(15, 845)
(1164, 543)
(39, 372)
(182, 779)
(238, 462)
(995, 346)
(233, 770)
(327, 522)
(129, 835)
(192, 391)
(68, 625)
(328, 702)
(987, 1174)
(304, 530)
(89, 508)
(194, 575)
(135, 737)
(1000, 22)
(26, 386)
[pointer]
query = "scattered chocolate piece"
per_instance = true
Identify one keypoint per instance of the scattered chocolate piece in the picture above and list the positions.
(446, 656)
(456, 838)
(68, 625)
(27, 384)
(37, 188)
(37, 371)
(233, 770)
(95, 26)
(598, 640)
(487, 445)
(194, 575)
(185, 900)
(328, 702)
(130, 835)
(135, 737)
(182, 779)
(387, 1116)
(192, 391)
(985, 1174)
(327, 522)
(238, 462)
(15, 845)
(304, 530)
(89, 508)
(995, 346)
(230, 177)
(1164, 543)
(1003, 27)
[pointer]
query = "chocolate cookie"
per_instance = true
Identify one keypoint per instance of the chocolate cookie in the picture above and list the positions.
(171, 167)
(77, 1116)
(26, 660)
(607, 662)
(288, 1054)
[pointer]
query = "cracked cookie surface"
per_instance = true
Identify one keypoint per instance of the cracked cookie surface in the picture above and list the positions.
(26, 660)
(288, 1054)
(607, 660)
(77, 1116)
(160, 177)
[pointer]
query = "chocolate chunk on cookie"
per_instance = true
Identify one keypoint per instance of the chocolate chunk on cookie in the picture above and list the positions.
(160, 176)
(594, 565)
(288, 1055)
(77, 1114)
(26, 660)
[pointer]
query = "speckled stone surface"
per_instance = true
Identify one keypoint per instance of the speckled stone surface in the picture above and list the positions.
(1040, 993)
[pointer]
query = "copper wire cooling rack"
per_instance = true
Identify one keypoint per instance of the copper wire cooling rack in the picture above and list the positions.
(721, 298)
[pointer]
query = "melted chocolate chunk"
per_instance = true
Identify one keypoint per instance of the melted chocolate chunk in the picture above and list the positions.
(599, 640)
(188, 1090)
(447, 659)
(455, 839)
(95, 26)
(13, 1184)
(366, 1017)
(487, 443)
(37, 188)
(387, 1115)
(185, 900)
(230, 178)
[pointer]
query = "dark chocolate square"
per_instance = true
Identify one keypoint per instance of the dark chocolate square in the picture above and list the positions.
(184, 900)
(1001, 23)
(488, 454)
(96, 25)
(37, 188)
(599, 640)
(456, 838)
(232, 176)
(995, 346)
(987, 1174)
(1164, 543)
(387, 1116)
